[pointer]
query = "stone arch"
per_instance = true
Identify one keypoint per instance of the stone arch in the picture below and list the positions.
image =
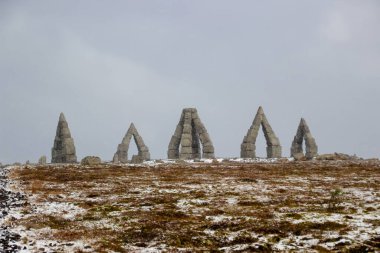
(303, 133)
(121, 154)
(248, 147)
(189, 136)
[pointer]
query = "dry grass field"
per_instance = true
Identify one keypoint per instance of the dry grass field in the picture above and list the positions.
(196, 207)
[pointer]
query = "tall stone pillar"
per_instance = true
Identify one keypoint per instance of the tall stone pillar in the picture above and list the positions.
(63, 150)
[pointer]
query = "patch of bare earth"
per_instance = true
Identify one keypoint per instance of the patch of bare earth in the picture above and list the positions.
(227, 207)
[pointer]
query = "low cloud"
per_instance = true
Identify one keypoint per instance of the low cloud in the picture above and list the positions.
(107, 66)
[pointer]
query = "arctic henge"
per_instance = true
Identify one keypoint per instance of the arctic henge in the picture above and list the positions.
(248, 147)
(192, 141)
(121, 154)
(303, 132)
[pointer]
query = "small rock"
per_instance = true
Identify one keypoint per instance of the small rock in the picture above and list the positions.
(299, 157)
(91, 160)
(42, 160)
(336, 156)
(137, 159)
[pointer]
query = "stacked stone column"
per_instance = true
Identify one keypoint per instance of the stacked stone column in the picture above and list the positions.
(63, 150)
(190, 133)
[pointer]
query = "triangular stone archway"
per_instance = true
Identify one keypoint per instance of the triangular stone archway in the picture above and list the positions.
(188, 137)
(121, 154)
(303, 133)
(248, 147)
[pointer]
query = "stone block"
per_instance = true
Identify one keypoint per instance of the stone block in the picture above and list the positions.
(186, 150)
(173, 154)
(187, 129)
(209, 148)
(186, 156)
(136, 159)
(91, 160)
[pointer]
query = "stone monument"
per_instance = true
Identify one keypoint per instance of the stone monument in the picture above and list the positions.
(121, 154)
(248, 147)
(63, 150)
(91, 160)
(303, 133)
(188, 137)
(42, 160)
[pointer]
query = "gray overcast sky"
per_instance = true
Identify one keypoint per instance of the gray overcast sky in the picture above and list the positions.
(106, 64)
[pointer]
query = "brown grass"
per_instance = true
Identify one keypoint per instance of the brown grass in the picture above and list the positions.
(143, 203)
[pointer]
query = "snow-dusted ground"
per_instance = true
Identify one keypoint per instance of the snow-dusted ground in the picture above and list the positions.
(228, 205)
(8, 201)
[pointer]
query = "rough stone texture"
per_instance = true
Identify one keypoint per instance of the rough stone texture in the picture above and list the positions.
(121, 154)
(248, 147)
(115, 158)
(188, 137)
(63, 150)
(137, 159)
(91, 160)
(337, 157)
(42, 160)
(299, 157)
(303, 133)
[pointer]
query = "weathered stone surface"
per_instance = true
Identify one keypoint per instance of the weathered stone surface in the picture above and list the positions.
(115, 158)
(186, 142)
(173, 154)
(248, 146)
(91, 160)
(137, 159)
(63, 150)
(42, 160)
(303, 133)
(299, 157)
(121, 154)
(188, 137)
(337, 156)
(208, 155)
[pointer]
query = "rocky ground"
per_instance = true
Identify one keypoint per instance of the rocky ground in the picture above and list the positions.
(230, 205)
(8, 200)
